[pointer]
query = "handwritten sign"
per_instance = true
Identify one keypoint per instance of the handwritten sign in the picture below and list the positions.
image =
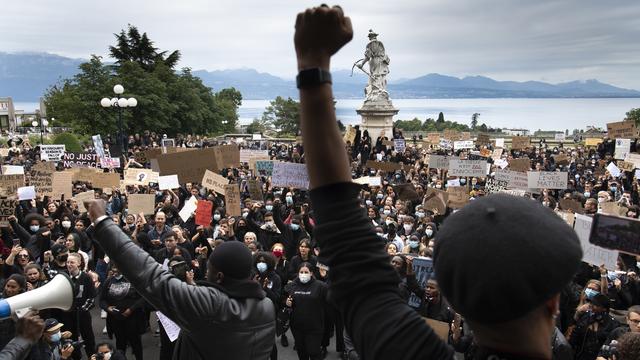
(349, 134)
(622, 129)
(477, 168)
(172, 329)
(26, 193)
(52, 152)
(215, 182)
(290, 175)
(522, 164)
(203, 213)
(559, 136)
(626, 166)
(483, 139)
(7, 209)
(246, 154)
(635, 159)
(12, 170)
(80, 199)
(264, 167)
(520, 142)
(493, 186)
(423, 269)
(232, 199)
(547, 179)
(227, 156)
(433, 138)
(106, 180)
(9, 184)
(592, 142)
(593, 254)
(623, 148)
(384, 165)
(188, 208)
(168, 182)
(614, 170)
(141, 203)
(438, 162)
(500, 143)
(140, 176)
(62, 185)
(458, 196)
(42, 178)
(451, 135)
(464, 144)
(83, 159)
(497, 153)
(255, 190)
(436, 200)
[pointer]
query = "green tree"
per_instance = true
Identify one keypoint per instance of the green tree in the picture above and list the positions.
(283, 115)
(409, 125)
(341, 126)
(634, 115)
(131, 46)
(440, 117)
(256, 127)
(474, 120)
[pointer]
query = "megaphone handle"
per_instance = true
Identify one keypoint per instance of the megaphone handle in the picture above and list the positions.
(20, 313)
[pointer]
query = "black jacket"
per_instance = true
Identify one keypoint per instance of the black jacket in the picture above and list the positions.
(216, 324)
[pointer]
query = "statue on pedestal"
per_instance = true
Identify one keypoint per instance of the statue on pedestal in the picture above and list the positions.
(378, 60)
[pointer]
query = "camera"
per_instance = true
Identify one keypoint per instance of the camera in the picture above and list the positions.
(609, 351)
(75, 344)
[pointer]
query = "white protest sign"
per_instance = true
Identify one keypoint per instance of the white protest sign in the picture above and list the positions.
(12, 170)
(514, 179)
(172, 329)
(399, 145)
(501, 163)
(500, 143)
(453, 182)
(593, 254)
(168, 182)
(375, 181)
(638, 174)
(189, 208)
(438, 162)
(246, 154)
(52, 152)
(27, 193)
(98, 146)
(472, 168)
(623, 148)
(547, 179)
(290, 175)
(467, 144)
(614, 170)
(559, 137)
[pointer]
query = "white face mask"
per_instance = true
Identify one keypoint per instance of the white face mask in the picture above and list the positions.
(304, 278)
(429, 232)
(407, 227)
(66, 224)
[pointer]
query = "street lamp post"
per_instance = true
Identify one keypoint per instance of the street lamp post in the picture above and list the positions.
(120, 103)
(43, 124)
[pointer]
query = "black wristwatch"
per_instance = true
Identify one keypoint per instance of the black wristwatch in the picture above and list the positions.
(312, 77)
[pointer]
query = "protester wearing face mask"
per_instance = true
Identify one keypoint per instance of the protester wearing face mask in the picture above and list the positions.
(592, 329)
(413, 246)
(265, 275)
(105, 351)
(304, 255)
(125, 315)
(50, 344)
(307, 298)
(55, 260)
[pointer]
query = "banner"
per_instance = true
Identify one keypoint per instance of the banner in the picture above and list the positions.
(290, 175)
(622, 129)
(83, 159)
(52, 152)
(547, 179)
(246, 154)
(461, 145)
(471, 168)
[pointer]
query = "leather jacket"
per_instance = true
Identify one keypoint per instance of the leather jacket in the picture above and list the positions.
(213, 324)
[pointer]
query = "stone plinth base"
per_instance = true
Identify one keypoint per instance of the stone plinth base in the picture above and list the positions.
(377, 116)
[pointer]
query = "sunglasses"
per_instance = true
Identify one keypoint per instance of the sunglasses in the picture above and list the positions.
(23, 256)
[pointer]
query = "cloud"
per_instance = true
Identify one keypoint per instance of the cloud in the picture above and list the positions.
(522, 40)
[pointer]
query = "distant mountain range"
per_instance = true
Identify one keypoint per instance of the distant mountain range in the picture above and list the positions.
(25, 77)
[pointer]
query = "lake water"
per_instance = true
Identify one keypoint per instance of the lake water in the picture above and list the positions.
(532, 114)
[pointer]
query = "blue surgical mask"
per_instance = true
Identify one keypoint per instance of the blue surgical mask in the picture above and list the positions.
(420, 214)
(463, 181)
(614, 189)
(289, 200)
(216, 217)
(269, 207)
(379, 196)
(590, 293)
(261, 266)
(34, 228)
(387, 212)
(587, 194)
(295, 227)
(55, 338)
(413, 244)
(368, 202)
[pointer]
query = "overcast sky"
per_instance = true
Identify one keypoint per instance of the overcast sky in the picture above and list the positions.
(553, 41)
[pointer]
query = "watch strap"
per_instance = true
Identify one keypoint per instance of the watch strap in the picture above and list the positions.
(312, 77)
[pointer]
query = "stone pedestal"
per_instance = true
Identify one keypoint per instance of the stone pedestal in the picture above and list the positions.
(377, 116)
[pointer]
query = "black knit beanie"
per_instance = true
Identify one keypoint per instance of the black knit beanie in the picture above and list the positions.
(233, 259)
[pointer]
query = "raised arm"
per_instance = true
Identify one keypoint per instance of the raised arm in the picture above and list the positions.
(364, 287)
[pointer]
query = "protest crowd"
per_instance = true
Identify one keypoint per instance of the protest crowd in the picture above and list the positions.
(181, 199)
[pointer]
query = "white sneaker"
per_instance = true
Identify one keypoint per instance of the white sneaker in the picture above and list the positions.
(103, 314)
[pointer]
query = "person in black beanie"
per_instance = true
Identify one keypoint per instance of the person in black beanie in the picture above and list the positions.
(229, 314)
(527, 252)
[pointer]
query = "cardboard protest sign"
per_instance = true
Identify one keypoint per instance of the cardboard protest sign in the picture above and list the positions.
(520, 142)
(106, 180)
(493, 186)
(141, 203)
(622, 129)
(7, 209)
(140, 176)
(203, 213)
(349, 134)
(486, 153)
(213, 181)
(168, 182)
(399, 145)
(188, 208)
(12, 170)
(190, 165)
(441, 328)
(471, 168)
(635, 159)
(255, 190)
(438, 162)
(152, 153)
(52, 152)
(463, 144)
(264, 167)
(423, 269)
(62, 185)
(500, 142)
(465, 135)
(625, 166)
(623, 148)
(406, 192)
(246, 154)
(290, 175)
(561, 159)
(451, 135)
(227, 156)
(42, 178)
(593, 254)
(435, 200)
(140, 157)
(83, 159)
(482, 140)
(433, 137)
(80, 198)
(572, 205)
(521, 164)
(612, 208)
(547, 179)
(232, 199)
(458, 196)
(9, 184)
(497, 153)
(592, 142)
(83, 174)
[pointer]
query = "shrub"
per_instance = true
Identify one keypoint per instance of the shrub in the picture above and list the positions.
(70, 141)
